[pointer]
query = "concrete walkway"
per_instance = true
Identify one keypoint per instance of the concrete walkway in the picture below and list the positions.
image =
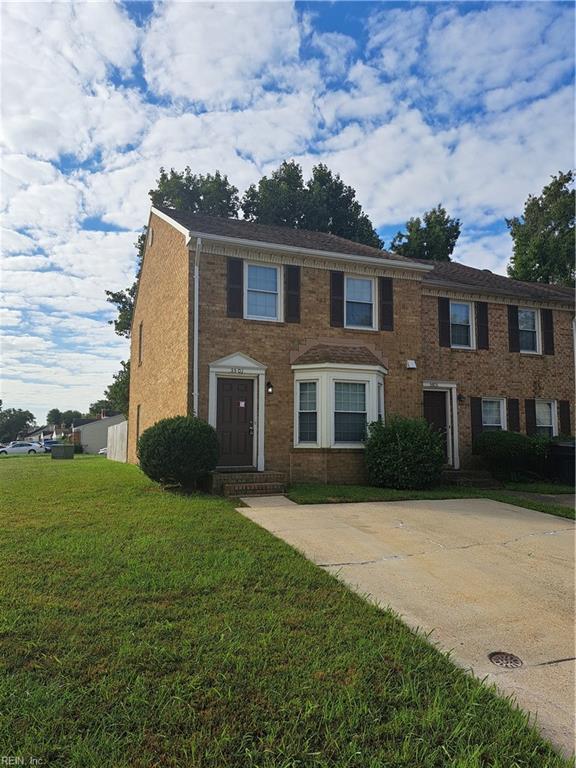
(481, 575)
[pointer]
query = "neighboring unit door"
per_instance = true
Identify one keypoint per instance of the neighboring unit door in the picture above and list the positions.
(436, 414)
(235, 422)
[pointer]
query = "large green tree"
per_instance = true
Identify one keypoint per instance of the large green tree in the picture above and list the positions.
(54, 416)
(13, 421)
(544, 247)
(432, 238)
(95, 409)
(118, 392)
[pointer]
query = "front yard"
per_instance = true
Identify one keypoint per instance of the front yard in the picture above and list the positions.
(143, 628)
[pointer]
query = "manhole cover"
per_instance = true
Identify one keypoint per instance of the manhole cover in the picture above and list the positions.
(503, 659)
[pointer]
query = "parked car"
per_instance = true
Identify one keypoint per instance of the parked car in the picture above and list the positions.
(47, 444)
(103, 452)
(19, 446)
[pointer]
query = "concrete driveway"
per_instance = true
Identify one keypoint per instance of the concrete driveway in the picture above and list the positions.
(481, 575)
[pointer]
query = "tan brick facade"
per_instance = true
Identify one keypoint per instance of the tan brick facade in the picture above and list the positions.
(163, 384)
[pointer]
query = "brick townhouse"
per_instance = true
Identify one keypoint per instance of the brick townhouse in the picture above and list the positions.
(289, 342)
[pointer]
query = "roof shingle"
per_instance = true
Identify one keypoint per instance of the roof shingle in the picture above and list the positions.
(329, 353)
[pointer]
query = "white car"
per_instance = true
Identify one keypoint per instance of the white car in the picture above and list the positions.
(103, 452)
(20, 446)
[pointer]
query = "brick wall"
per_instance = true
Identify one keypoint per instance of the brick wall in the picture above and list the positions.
(159, 385)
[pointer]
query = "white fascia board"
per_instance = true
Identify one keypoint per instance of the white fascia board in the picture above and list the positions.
(339, 367)
(372, 260)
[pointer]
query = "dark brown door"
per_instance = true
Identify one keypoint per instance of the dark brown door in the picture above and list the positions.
(435, 414)
(235, 422)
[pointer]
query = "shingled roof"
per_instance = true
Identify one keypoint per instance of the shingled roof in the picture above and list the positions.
(450, 274)
(263, 233)
(333, 353)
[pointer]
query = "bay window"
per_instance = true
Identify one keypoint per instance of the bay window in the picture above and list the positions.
(307, 412)
(349, 412)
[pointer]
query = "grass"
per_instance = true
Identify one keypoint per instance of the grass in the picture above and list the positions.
(540, 487)
(144, 628)
(314, 493)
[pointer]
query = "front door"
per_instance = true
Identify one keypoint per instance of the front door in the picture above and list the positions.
(436, 414)
(235, 422)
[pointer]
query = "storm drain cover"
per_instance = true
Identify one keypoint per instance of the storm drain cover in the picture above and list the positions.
(503, 659)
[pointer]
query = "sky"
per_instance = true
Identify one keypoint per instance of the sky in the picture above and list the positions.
(465, 104)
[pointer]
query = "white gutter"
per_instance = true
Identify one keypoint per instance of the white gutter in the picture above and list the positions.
(195, 372)
(372, 260)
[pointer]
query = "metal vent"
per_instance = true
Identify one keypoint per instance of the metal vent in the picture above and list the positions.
(506, 660)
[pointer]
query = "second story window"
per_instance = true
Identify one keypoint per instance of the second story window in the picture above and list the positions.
(461, 325)
(359, 299)
(528, 330)
(262, 292)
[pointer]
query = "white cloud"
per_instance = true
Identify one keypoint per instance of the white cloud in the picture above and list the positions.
(484, 251)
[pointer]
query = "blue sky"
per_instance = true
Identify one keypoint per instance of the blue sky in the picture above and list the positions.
(414, 104)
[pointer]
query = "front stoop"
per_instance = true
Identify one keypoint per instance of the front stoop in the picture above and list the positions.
(469, 478)
(236, 484)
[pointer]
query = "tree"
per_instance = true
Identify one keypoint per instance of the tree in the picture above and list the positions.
(95, 409)
(544, 249)
(279, 199)
(54, 416)
(434, 239)
(13, 421)
(118, 392)
(69, 416)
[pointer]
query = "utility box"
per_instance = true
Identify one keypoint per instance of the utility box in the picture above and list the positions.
(62, 451)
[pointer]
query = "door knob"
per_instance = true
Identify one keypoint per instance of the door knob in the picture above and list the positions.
(251, 428)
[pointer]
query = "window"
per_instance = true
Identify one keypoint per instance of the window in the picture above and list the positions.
(545, 418)
(262, 292)
(461, 325)
(307, 412)
(359, 298)
(137, 422)
(380, 401)
(528, 330)
(349, 412)
(140, 337)
(493, 416)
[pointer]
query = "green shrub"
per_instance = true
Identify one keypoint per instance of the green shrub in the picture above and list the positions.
(404, 453)
(178, 451)
(513, 456)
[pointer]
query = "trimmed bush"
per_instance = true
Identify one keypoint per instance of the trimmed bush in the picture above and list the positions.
(178, 451)
(513, 456)
(404, 453)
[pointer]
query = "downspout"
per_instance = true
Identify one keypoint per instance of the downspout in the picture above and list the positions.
(195, 372)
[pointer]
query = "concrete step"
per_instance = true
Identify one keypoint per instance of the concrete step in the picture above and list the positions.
(253, 489)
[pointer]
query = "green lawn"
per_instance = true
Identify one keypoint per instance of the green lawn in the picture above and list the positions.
(143, 628)
(314, 493)
(540, 487)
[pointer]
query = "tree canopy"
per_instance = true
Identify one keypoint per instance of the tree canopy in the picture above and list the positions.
(433, 238)
(544, 246)
(95, 409)
(118, 392)
(13, 421)
(54, 416)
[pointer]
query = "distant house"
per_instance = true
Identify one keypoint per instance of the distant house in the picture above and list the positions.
(92, 434)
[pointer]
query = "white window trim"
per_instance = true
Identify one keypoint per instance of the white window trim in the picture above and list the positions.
(451, 390)
(297, 441)
(280, 286)
(537, 323)
(503, 413)
(326, 375)
(374, 282)
(554, 409)
(472, 316)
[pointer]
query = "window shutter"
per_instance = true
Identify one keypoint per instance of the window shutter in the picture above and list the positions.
(513, 330)
(530, 411)
(564, 417)
(337, 299)
(386, 291)
(292, 294)
(547, 331)
(513, 408)
(444, 322)
(475, 417)
(482, 338)
(235, 287)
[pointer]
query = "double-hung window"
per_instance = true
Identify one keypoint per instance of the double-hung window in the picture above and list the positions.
(528, 330)
(461, 335)
(307, 412)
(349, 412)
(262, 292)
(493, 415)
(545, 418)
(359, 297)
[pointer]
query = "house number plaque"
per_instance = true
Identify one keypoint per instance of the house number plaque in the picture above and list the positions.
(236, 370)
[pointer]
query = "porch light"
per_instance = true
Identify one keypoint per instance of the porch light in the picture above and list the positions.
(269, 388)
(461, 398)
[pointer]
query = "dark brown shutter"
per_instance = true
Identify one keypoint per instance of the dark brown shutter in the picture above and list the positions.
(564, 417)
(444, 322)
(235, 287)
(386, 290)
(482, 340)
(337, 299)
(547, 331)
(530, 411)
(292, 294)
(513, 330)
(513, 409)
(475, 417)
